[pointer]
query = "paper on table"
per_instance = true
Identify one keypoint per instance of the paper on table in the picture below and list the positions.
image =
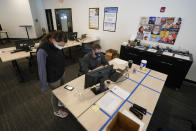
(6, 51)
(109, 102)
(182, 57)
(168, 53)
(119, 61)
(120, 92)
(152, 50)
(134, 118)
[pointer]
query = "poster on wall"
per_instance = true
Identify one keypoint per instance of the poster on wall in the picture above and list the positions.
(159, 29)
(94, 18)
(110, 18)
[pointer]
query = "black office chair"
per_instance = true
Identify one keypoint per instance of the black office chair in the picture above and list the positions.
(80, 67)
(24, 44)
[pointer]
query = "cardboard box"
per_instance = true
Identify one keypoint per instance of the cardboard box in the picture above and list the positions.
(111, 54)
(122, 123)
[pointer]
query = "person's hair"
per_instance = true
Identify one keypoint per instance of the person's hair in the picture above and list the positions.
(140, 28)
(58, 36)
(96, 46)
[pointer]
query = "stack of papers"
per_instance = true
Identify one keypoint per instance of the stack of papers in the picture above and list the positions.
(139, 47)
(182, 57)
(120, 92)
(119, 61)
(152, 50)
(168, 53)
(109, 102)
(6, 51)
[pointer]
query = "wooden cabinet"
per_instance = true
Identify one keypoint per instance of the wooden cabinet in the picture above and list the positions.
(176, 68)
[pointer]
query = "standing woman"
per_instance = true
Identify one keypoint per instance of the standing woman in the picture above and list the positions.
(51, 63)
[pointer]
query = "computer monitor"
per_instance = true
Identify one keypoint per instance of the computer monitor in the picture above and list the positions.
(24, 45)
(72, 35)
(98, 76)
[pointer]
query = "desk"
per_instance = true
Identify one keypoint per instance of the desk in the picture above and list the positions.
(144, 88)
(4, 32)
(6, 56)
(26, 26)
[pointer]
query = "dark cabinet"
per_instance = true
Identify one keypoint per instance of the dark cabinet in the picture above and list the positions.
(175, 68)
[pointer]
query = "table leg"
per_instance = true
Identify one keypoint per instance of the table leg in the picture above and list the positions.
(70, 54)
(7, 35)
(17, 69)
(27, 32)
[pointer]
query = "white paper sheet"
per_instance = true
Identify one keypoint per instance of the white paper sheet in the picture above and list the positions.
(6, 51)
(134, 118)
(120, 92)
(168, 53)
(152, 50)
(182, 57)
(109, 102)
(119, 61)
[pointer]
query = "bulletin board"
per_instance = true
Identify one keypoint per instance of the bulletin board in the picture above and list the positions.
(110, 18)
(94, 18)
(159, 29)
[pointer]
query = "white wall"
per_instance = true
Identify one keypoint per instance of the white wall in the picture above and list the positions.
(129, 13)
(39, 14)
(14, 13)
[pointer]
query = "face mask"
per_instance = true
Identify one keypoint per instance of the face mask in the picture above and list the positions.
(98, 55)
(58, 47)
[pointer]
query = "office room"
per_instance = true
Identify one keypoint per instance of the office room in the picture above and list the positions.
(97, 65)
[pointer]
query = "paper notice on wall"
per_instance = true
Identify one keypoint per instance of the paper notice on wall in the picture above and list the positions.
(109, 102)
(94, 18)
(110, 17)
(120, 92)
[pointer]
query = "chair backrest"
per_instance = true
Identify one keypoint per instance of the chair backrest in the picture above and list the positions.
(0, 28)
(80, 67)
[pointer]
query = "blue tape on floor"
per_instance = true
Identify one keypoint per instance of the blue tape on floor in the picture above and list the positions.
(151, 89)
(141, 72)
(130, 102)
(116, 94)
(149, 113)
(152, 76)
(131, 79)
(104, 112)
(157, 78)
(123, 103)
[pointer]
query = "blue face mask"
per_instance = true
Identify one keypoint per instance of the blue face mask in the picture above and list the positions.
(58, 47)
(98, 55)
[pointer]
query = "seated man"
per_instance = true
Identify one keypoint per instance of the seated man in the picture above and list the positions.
(93, 59)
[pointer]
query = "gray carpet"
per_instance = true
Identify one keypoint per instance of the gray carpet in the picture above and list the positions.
(24, 107)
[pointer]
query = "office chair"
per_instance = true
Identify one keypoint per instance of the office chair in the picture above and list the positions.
(80, 67)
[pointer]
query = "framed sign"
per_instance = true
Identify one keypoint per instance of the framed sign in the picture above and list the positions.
(110, 18)
(94, 18)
